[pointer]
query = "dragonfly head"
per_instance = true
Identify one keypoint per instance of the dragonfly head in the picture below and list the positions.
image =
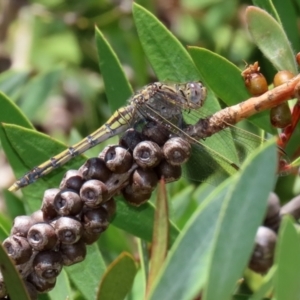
(195, 93)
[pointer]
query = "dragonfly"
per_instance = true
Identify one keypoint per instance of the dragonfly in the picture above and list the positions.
(173, 106)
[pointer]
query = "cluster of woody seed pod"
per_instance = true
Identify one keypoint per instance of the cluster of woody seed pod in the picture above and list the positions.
(266, 237)
(75, 214)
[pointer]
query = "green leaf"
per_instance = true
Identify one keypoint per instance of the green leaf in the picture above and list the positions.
(13, 282)
(139, 220)
(266, 286)
(268, 6)
(29, 151)
(10, 113)
(242, 212)
(117, 87)
(12, 83)
(288, 262)
(14, 205)
(62, 289)
(38, 90)
(3, 232)
(87, 274)
(185, 270)
(159, 246)
(168, 57)
(118, 278)
(270, 38)
(230, 88)
(289, 20)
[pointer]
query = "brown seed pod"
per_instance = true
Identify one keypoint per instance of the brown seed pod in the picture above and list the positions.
(31, 289)
(292, 208)
(95, 220)
(95, 168)
(117, 159)
(37, 216)
(272, 217)
(47, 264)
(68, 230)
(280, 115)
(110, 206)
(48, 209)
(73, 254)
(168, 172)
(72, 180)
(130, 139)
(42, 236)
(255, 81)
(18, 249)
(135, 198)
(147, 154)
(21, 225)
(282, 77)
(67, 203)
(41, 284)
(90, 238)
(263, 254)
(3, 290)
(144, 180)
(93, 192)
(177, 151)
(156, 133)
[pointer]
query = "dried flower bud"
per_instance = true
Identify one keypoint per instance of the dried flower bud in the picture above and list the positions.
(263, 254)
(156, 133)
(255, 81)
(110, 206)
(21, 225)
(93, 193)
(68, 230)
(292, 208)
(135, 198)
(130, 139)
(280, 115)
(72, 254)
(42, 236)
(282, 77)
(72, 180)
(147, 154)
(47, 264)
(117, 159)
(95, 168)
(95, 220)
(18, 249)
(272, 218)
(48, 209)
(41, 284)
(168, 172)
(67, 203)
(177, 151)
(3, 290)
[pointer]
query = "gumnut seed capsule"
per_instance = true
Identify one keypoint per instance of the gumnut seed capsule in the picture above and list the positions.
(47, 264)
(18, 249)
(42, 236)
(147, 154)
(93, 193)
(72, 180)
(68, 230)
(48, 209)
(72, 254)
(67, 203)
(95, 168)
(21, 225)
(177, 151)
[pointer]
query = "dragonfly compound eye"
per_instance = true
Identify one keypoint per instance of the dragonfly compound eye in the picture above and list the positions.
(196, 94)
